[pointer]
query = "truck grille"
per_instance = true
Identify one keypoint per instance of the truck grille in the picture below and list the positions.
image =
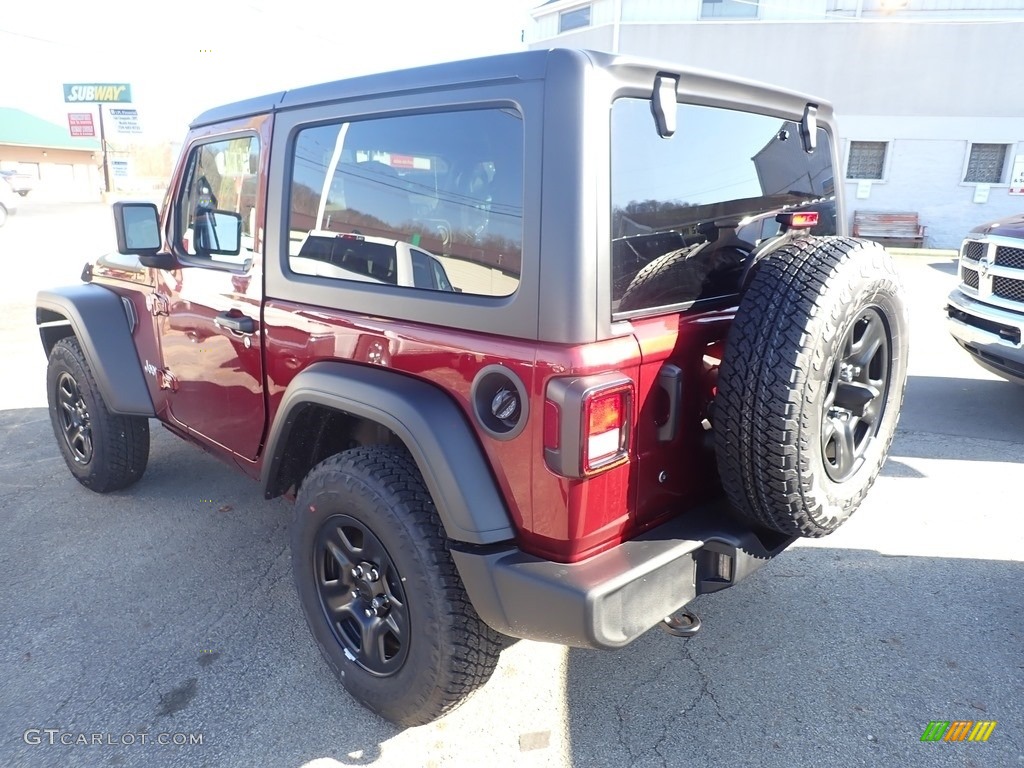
(971, 278)
(1006, 287)
(1008, 257)
(974, 251)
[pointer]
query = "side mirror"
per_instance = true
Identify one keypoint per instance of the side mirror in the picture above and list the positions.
(218, 232)
(138, 228)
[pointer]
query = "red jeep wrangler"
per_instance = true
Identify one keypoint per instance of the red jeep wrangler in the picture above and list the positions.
(633, 356)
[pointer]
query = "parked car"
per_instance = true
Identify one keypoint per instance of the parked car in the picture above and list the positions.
(986, 310)
(20, 183)
(8, 203)
(627, 405)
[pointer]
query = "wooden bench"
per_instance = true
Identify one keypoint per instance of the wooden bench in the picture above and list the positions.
(889, 226)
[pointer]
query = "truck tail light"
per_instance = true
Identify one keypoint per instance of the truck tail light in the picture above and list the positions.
(587, 423)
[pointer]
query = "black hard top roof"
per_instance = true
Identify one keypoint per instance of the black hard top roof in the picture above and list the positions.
(520, 66)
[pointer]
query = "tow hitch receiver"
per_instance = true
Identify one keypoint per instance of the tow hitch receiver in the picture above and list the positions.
(681, 624)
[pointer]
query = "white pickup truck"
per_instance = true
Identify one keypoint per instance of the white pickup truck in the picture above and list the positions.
(986, 310)
(349, 256)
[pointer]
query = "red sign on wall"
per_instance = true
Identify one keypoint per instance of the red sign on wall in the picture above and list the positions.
(80, 124)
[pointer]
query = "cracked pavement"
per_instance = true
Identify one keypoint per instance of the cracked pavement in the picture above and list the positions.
(169, 607)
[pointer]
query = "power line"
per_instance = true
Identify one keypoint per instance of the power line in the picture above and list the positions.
(12, 33)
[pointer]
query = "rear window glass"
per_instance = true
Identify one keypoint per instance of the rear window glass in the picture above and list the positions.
(431, 201)
(687, 211)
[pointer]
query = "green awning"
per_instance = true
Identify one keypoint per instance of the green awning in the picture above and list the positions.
(22, 129)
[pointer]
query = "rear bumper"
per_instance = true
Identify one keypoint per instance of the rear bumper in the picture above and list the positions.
(612, 598)
(992, 335)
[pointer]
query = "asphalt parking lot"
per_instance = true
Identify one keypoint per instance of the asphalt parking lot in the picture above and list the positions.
(167, 610)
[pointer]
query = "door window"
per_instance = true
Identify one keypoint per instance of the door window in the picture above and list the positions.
(221, 178)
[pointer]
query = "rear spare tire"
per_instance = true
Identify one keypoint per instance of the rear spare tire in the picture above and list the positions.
(811, 384)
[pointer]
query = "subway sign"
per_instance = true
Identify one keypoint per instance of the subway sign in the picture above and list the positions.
(97, 93)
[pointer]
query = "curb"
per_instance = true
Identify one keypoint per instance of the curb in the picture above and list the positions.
(932, 253)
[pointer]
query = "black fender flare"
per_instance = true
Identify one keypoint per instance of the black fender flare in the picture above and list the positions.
(98, 319)
(432, 426)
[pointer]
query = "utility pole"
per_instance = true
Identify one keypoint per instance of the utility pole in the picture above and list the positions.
(103, 149)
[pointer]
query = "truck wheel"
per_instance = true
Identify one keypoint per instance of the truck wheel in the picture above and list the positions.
(811, 384)
(104, 451)
(380, 590)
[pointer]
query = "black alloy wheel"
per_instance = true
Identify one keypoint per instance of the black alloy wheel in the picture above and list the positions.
(75, 422)
(361, 595)
(857, 392)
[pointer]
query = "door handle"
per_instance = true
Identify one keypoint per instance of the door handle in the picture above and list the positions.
(235, 322)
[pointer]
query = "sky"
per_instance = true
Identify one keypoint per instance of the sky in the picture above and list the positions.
(184, 57)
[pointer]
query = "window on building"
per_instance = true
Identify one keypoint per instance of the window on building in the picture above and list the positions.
(728, 9)
(867, 160)
(574, 19)
(987, 164)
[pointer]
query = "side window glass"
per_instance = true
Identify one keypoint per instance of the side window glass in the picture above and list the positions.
(445, 187)
(442, 283)
(217, 209)
(422, 276)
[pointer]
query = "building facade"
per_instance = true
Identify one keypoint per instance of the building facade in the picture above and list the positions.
(926, 91)
(61, 166)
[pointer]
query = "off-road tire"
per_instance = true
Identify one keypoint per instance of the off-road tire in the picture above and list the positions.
(450, 652)
(680, 276)
(791, 348)
(117, 449)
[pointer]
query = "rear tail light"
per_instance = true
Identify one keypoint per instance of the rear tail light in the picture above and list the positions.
(587, 423)
(606, 436)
